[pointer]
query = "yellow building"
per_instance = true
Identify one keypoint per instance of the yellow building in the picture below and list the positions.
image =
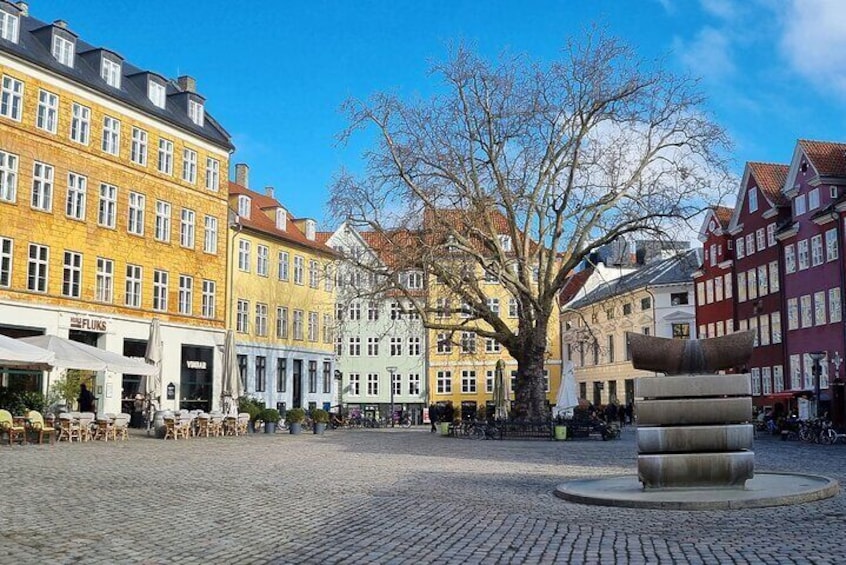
(112, 207)
(282, 303)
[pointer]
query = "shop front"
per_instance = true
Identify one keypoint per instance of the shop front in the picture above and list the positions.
(195, 387)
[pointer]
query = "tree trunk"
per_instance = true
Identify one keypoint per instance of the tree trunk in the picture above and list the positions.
(530, 393)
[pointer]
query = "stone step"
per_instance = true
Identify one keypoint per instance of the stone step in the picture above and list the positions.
(694, 411)
(696, 470)
(682, 386)
(685, 439)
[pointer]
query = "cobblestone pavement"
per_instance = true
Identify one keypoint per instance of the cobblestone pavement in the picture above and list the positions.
(380, 496)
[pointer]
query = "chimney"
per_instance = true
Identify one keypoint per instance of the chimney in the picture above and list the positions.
(24, 8)
(187, 84)
(268, 191)
(61, 23)
(242, 174)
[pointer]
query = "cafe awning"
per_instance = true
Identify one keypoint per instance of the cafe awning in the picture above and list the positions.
(19, 355)
(71, 354)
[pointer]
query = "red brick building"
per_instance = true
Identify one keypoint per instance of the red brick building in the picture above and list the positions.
(714, 281)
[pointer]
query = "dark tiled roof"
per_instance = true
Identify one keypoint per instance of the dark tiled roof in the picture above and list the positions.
(828, 158)
(259, 221)
(32, 49)
(678, 269)
(771, 178)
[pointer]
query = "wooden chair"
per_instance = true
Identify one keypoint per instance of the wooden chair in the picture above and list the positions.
(38, 426)
(68, 428)
(203, 425)
(104, 429)
(170, 427)
(243, 422)
(120, 428)
(13, 431)
(216, 425)
(185, 426)
(86, 425)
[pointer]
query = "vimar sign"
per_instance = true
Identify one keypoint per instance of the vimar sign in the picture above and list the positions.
(87, 323)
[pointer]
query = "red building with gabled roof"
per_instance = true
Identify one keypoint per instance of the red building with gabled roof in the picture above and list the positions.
(714, 280)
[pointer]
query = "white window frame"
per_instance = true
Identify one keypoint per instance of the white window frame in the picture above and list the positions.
(242, 316)
(468, 381)
(110, 71)
(165, 164)
(162, 226)
(187, 228)
(72, 274)
(76, 196)
(134, 286)
(284, 266)
(186, 295)
(752, 198)
(7, 248)
(107, 206)
(789, 258)
(9, 26)
(803, 255)
(8, 176)
(835, 306)
(282, 322)
(38, 268)
(189, 165)
(160, 290)
(244, 206)
(831, 245)
(47, 114)
(244, 255)
(111, 135)
(261, 319)
(209, 298)
(42, 186)
(138, 147)
(135, 213)
(210, 235)
(104, 280)
(196, 112)
(817, 255)
(157, 93)
(80, 126)
(11, 98)
(212, 174)
(63, 50)
(299, 267)
(262, 260)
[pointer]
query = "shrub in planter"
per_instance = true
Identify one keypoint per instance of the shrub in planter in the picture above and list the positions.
(295, 417)
(321, 420)
(270, 417)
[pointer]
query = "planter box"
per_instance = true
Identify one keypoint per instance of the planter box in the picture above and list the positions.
(295, 428)
(319, 428)
(270, 427)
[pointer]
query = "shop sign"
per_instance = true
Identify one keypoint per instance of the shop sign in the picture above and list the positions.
(171, 391)
(195, 364)
(89, 324)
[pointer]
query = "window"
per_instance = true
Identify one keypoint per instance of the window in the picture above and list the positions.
(713, 254)
(242, 317)
(298, 269)
(764, 328)
(5, 261)
(795, 371)
(819, 308)
(681, 331)
(110, 72)
(132, 297)
(835, 307)
(196, 112)
(831, 245)
(75, 201)
(212, 174)
(627, 308)
(799, 205)
(492, 345)
(11, 98)
(104, 280)
(283, 265)
(166, 156)
(802, 251)
(107, 210)
(396, 383)
(8, 26)
(816, 250)
(750, 244)
(489, 381)
(327, 328)
(135, 224)
(778, 378)
(42, 187)
(162, 227)
(189, 165)
(792, 314)
(771, 240)
(468, 382)
(47, 115)
(281, 374)
(261, 319)
(299, 319)
(610, 350)
(775, 327)
(753, 326)
(156, 93)
(244, 255)
(396, 346)
(282, 322)
(313, 274)
(396, 311)
(71, 274)
(355, 310)
(413, 384)
(709, 291)
(805, 311)
(372, 384)
(741, 287)
(160, 290)
(111, 135)
(244, 205)
(813, 199)
(208, 307)
(789, 259)
(8, 175)
(210, 235)
(753, 199)
(760, 238)
(740, 247)
(727, 286)
(413, 346)
(493, 306)
(281, 219)
(63, 50)
(756, 381)
(443, 382)
(645, 303)
(763, 281)
(372, 346)
(679, 298)
(774, 284)
(262, 260)
(414, 280)
(261, 373)
(718, 289)
(444, 344)
(354, 384)
(186, 295)
(468, 342)
(355, 346)
(327, 377)
(313, 327)
(138, 147)
(513, 308)
(39, 256)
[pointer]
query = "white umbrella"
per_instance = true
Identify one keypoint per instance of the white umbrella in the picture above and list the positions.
(500, 392)
(19, 355)
(153, 382)
(232, 387)
(568, 396)
(75, 355)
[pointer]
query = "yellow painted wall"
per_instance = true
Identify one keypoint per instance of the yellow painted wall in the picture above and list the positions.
(55, 229)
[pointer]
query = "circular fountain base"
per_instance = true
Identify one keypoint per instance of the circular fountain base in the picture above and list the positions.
(765, 489)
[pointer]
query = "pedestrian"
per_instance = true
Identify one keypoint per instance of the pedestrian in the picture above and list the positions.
(621, 413)
(86, 399)
(630, 412)
(433, 417)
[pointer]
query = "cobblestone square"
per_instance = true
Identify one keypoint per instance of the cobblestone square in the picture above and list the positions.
(380, 496)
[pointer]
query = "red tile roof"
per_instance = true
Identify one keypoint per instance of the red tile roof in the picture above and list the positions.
(573, 285)
(828, 158)
(771, 178)
(723, 215)
(259, 221)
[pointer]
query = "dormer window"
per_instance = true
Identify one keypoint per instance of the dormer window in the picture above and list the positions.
(505, 242)
(310, 229)
(244, 206)
(110, 72)
(753, 200)
(156, 93)
(63, 50)
(196, 112)
(8, 26)
(281, 219)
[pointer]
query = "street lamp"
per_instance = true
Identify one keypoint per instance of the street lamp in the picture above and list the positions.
(816, 370)
(392, 370)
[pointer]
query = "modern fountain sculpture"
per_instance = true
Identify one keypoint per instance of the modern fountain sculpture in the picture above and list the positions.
(694, 435)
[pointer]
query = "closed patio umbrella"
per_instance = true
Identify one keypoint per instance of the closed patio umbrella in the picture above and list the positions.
(232, 388)
(500, 392)
(568, 396)
(153, 382)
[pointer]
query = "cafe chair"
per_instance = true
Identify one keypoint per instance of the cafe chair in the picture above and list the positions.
(68, 428)
(216, 424)
(203, 425)
(104, 429)
(86, 423)
(37, 426)
(243, 422)
(120, 429)
(14, 432)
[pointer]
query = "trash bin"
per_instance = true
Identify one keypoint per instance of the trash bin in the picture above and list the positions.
(560, 433)
(444, 427)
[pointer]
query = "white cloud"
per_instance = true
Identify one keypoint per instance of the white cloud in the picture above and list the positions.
(723, 9)
(708, 54)
(668, 6)
(814, 41)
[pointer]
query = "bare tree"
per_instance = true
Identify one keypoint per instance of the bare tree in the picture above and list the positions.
(519, 170)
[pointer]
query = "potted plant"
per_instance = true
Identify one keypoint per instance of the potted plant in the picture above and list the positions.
(270, 417)
(252, 407)
(295, 417)
(321, 419)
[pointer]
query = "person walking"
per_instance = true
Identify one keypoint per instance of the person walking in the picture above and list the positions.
(86, 399)
(433, 417)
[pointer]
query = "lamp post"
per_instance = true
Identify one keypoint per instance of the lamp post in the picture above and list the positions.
(392, 370)
(816, 370)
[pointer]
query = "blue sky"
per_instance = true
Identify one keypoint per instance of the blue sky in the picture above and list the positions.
(276, 72)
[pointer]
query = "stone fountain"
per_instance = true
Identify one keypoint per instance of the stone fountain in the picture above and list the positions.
(694, 435)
